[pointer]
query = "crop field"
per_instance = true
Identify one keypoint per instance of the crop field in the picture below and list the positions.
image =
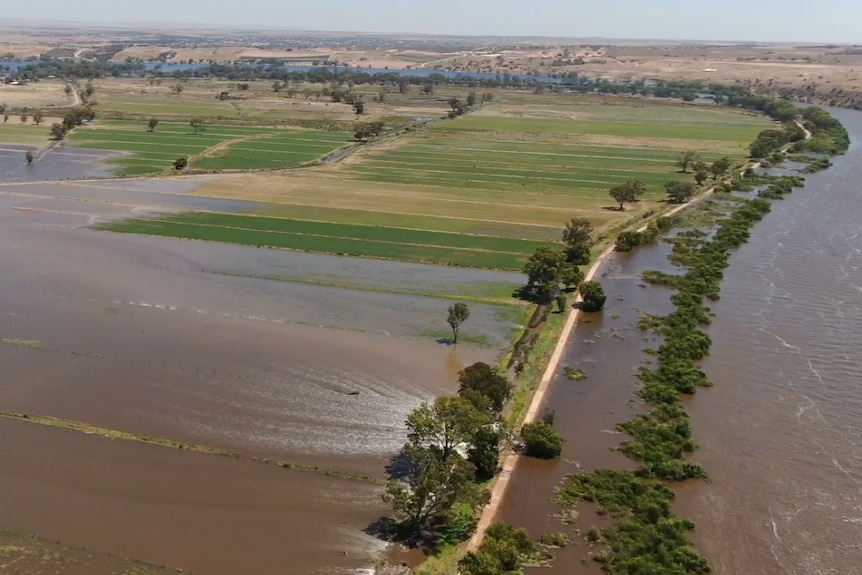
(483, 190)
(29, 133)
(372, 241)
(217, 147)
(257, 102)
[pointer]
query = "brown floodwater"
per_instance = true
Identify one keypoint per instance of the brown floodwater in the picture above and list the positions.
(780, 432)
(190, 511)
(186, 340)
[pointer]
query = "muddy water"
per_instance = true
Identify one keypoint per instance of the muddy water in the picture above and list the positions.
(609, 348)
(780, 432)
(190, 511)
(60, 163)
(188, 340)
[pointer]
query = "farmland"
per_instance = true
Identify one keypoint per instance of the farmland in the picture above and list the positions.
(216, 147)
(371, 241)
(514, 170)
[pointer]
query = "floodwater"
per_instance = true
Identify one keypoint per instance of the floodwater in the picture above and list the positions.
(188, 340)
(63, 162)
(780, 432)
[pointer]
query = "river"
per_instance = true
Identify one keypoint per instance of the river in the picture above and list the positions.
(780, 432)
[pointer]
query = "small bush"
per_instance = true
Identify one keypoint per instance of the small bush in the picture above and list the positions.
(558, 539)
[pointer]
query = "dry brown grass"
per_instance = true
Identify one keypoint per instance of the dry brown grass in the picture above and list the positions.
(43, 94)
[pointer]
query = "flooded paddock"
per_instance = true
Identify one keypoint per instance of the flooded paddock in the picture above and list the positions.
(190, 341)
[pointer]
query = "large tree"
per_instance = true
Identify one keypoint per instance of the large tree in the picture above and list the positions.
(196, 124)
(431, 486)
(151, 125)
(629, 192)
(679, 192)
(701, 172)
(484, 387)
(544, 270)
(458, 314)
(686, 159)
(719, 168)
(444, 425)
(578, 237)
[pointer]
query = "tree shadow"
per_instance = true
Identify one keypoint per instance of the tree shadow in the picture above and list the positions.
(445, 341)
(399, 466)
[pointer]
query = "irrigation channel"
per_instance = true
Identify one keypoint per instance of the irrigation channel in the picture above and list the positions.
(779, 432)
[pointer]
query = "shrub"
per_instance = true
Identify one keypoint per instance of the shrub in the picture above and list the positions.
(181, 163)
(541, 440)
(593, 295)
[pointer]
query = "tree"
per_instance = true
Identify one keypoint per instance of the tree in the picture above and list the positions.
(68, 90)
(276, 87)
(679, 192)
(719, 168)
(196, 124)
(454, 103)
(686, 159)
(58, 132)
(593, 296)
(89, 89)
(431, 486)
(368, 130)
(30, 155)
(630, 192)
(541, 440)
(3, 107)
(359, 107)
(442, 426)
(458, 314)
(151, 125)
(471, 98)
(483, 386)
(578, 237)
(403, 85)
(181, 163)
(701, 172)
(24, 117)
(428, 89)
(570, 275)
(38, 117)
(5, 118)
(579, 231)
(544, 270)
(484, 453)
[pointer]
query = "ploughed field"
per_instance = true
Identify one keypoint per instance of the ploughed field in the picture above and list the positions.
(215, 147)
(483, 190)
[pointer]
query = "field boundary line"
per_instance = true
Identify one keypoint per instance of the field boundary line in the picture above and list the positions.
(115, 434)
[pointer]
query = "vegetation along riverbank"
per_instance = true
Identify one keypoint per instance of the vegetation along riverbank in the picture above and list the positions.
(646, 536)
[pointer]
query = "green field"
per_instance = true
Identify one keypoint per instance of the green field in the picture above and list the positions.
(482, 190)
(371, 241)
(216, 147)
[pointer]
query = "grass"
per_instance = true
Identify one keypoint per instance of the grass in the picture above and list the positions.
(17, 133)
(28, 343)
(370, 241)
(517, 177)
(216, 147)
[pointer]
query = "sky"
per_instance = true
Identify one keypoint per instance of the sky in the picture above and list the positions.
(820, 21)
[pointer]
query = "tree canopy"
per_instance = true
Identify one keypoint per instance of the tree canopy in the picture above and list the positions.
(458, 314)
(630, 191)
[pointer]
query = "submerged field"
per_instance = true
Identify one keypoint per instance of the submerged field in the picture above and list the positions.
(216, 147)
